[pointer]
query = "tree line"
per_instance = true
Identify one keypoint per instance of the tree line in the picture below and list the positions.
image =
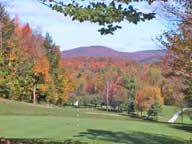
(117, 84)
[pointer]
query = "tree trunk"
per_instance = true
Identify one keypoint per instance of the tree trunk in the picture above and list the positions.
(1, 35)
(34, 94)
(107, 98)
(181, 114)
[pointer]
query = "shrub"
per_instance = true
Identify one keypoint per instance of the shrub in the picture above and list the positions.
(154, 111)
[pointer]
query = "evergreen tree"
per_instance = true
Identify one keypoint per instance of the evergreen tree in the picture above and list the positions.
(154, 110)
(6, 30)
(52, 52)
(130, 84)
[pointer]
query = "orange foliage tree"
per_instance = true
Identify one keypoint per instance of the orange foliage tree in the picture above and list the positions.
(41, 74)
(147, 96)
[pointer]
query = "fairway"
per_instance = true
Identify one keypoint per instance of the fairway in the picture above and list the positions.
(23, 121)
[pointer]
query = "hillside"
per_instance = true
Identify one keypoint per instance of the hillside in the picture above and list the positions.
(148, 56)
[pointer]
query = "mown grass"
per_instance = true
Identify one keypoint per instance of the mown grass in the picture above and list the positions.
(185, 118)
(167, 113)
(25, 109)
(23, 121)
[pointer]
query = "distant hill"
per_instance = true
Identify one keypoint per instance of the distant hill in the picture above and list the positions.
(148, 56)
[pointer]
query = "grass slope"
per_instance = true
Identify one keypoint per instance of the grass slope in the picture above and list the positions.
(20, 120)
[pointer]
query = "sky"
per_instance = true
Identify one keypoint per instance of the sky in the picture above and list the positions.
(69, 34)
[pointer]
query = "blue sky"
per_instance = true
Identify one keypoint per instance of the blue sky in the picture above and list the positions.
(69, 34)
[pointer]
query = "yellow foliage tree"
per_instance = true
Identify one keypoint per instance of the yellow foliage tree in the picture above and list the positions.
(147, 96)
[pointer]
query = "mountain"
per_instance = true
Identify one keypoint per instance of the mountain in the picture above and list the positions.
(148, 56)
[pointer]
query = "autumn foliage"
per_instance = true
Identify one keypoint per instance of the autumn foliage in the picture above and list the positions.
(147, 96)
(33, 70)
(41, 69)
(30, 67)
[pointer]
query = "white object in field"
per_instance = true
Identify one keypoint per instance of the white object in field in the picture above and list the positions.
(176, 115)
(76, 103)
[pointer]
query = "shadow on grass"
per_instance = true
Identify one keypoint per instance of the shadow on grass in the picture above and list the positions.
(144, 119)
(129, 137)
(187, 128)
(36, 141)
